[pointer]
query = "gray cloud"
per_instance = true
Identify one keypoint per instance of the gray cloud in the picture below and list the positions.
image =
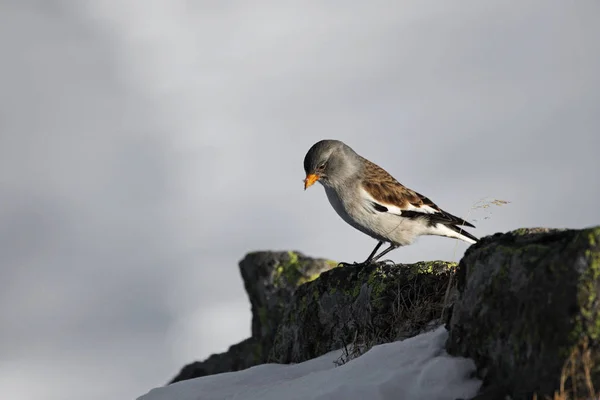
(145, 149)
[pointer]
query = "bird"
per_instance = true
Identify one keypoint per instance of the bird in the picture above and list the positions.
(372, 201)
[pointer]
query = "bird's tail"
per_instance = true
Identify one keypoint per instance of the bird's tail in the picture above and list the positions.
(456, 232)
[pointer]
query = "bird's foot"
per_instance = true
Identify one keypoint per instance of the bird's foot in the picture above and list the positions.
(345, 264)
(376, 262)
(356, 264)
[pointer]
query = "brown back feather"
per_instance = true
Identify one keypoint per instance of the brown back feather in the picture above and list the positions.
(386, 189)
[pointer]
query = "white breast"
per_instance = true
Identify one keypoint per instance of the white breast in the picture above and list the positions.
(351, 215)
(337, 205)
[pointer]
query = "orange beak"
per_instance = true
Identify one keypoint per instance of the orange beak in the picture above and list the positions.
(310, 180)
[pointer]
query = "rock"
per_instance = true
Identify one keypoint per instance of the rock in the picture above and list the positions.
(239, 356)
(525, 306)
(270, 279)
(361, 306)
(528, 303)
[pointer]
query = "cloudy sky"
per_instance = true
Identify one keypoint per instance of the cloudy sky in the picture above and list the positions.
(146, 146)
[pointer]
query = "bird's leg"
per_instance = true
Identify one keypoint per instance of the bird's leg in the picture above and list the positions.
(383, 253)
(370, 258)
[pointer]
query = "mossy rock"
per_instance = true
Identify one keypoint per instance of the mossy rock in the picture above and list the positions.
(360, 306)
(270, 279)
(527, 300)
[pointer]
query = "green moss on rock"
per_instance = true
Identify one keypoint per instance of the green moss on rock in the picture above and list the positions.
(371, 304)
(293, 271)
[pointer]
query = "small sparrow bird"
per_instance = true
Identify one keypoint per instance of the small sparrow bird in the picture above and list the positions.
(368, 198)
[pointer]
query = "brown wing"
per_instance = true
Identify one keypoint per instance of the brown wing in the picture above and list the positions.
(387, 190)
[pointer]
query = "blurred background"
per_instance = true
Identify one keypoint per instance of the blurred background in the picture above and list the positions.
(146, 146)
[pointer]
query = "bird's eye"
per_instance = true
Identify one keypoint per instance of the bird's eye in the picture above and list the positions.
(321, 166)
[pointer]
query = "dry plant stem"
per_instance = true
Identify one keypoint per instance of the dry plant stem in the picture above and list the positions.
(413, 306)
(578, 365)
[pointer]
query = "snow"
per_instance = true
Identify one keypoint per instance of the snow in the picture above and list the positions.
(415, 368)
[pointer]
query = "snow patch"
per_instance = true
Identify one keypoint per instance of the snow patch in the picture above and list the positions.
(415, 368)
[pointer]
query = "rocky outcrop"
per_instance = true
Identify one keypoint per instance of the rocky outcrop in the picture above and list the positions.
(270, 279)
(528, 312)
(357, 307)
(524, 305)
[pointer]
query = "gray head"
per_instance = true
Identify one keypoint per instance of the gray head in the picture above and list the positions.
(330, 162)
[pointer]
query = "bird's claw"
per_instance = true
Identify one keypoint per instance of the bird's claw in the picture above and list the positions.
(355, 264)
(345, 264)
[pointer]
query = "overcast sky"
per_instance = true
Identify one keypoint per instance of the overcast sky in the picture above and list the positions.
(146, 146)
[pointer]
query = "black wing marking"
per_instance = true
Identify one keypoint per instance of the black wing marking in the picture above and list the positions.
(441, 217)
(379, 207)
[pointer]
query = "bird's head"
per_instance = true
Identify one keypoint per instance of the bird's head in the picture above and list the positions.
(330, 162)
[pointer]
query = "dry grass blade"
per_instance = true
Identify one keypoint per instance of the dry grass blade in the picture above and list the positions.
(576, 376)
